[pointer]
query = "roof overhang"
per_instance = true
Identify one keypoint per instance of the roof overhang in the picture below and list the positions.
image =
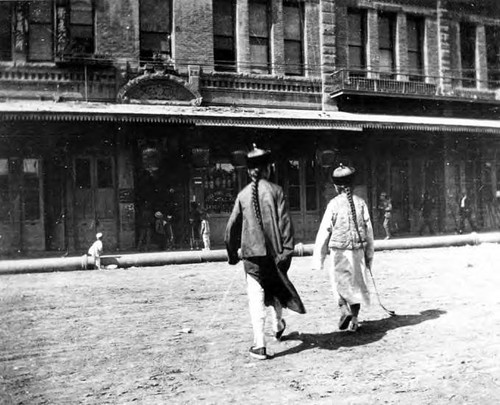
(236, 117)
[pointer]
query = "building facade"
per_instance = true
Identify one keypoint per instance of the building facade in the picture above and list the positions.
(113, 110)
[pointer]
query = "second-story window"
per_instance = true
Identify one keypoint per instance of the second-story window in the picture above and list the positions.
(224, 40)
(155, 29)
(259, 36)
(415, 29)
(356, 41)
(293, 19)
(387, 33)
(81, 27)
(493, 56)
(5, 31)
(468, 54)
(41, 31)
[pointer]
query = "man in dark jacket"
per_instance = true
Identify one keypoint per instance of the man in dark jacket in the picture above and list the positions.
(261, 227)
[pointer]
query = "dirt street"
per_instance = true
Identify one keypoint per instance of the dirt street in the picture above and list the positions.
(180, 335)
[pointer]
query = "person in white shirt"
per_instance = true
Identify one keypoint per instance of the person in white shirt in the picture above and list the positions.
(95, 250)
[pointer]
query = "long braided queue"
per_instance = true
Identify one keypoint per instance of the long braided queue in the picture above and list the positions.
(348, 191)
(255, 175)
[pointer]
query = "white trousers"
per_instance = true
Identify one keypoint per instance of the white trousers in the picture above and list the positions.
(258, 312)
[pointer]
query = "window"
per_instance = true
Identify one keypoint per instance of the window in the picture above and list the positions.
(82, 173)
(5, 31)
(259, 36)
(80, 26)
(468, 54)
(493, 55)
(311, 186)
(293, 19)
(31, 172)
(294, 185)
(104, 173)
(386, 32)
(356, 40)
(224, 41)
(415, 45)
(155, 29)
(40, 31)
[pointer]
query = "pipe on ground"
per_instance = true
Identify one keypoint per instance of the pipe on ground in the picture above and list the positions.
(191, 257)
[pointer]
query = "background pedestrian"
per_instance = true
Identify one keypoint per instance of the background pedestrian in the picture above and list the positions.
(465, 213)
(385, 211)
(426, 210)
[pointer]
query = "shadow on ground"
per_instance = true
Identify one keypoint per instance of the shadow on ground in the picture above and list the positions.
(369, 332)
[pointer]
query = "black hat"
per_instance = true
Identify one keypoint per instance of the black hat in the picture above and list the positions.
(258, 157)
(343, 175)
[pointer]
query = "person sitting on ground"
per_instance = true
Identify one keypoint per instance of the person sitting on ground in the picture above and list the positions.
(95, 251)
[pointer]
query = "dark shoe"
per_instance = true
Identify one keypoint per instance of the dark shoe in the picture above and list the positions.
(344, 321)
(280, 333)
(258, 353)
(345, 316)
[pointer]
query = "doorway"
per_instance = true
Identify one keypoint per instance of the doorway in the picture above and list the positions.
(94, 205)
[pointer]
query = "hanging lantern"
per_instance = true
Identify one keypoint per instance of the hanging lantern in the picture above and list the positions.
(150, 159)
(326, 158)
(239, 158)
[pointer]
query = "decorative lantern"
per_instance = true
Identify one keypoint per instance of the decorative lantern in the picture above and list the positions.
(150, 159)
(239, 158)
(326, 158)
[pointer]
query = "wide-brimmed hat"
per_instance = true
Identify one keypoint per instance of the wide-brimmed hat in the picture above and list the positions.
(98, 235)
(343, 175)
(158, 214)
(258, 157)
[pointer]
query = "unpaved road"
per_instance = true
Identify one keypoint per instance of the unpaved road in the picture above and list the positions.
(180, 335)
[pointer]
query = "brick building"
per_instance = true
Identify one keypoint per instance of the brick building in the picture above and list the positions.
(112, 109)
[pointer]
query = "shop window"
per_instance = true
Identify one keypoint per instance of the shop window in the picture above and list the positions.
(82, 173)
(415, 45)
(5, 31)
(356, 39)
(104, 173)
(220, 186)
(31, 186)
(468, 54)
(387, 33)
(41, 31)
(493, 55)
(259, 36)
(224, 38)
(293, 19)
(4, 190)
(155, 30)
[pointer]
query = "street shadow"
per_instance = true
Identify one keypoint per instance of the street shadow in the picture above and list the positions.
(369, 332)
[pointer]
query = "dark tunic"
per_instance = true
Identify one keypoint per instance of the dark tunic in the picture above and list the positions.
(267, 250)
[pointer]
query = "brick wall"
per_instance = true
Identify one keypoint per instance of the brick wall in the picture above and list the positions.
(192, 37)
(117, 29)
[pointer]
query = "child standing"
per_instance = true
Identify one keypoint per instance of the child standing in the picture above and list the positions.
(205, 231)
(95, 251)
(346, 230)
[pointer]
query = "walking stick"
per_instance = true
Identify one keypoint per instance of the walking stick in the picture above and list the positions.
(391, 313)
